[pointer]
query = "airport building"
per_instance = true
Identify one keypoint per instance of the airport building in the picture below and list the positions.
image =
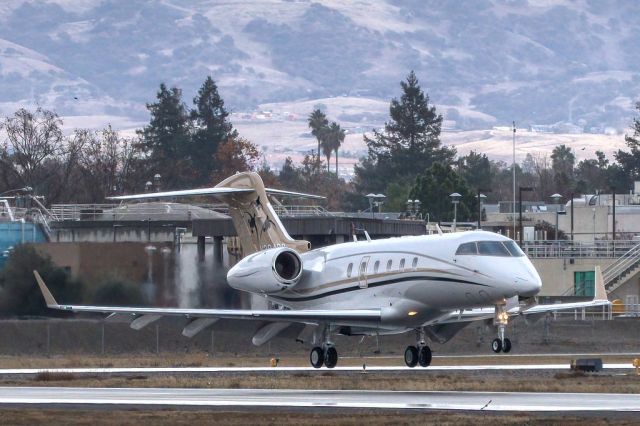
(140, 240)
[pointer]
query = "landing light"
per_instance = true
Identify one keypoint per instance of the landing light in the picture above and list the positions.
(412, 313)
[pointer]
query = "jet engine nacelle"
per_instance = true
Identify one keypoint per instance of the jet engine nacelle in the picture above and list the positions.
(268, 271)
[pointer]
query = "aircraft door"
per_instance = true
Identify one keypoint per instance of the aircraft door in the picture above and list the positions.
(362, 272)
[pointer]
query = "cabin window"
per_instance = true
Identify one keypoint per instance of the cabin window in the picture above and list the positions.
(401, 268)
(376, 266)
(467, 248)
(389, 265)
(414, 264)
(349, 269)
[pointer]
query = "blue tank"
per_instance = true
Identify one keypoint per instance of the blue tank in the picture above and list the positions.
(14, 233)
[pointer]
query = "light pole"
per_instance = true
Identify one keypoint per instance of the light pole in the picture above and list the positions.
(520, 190)
(24, 189)
(372, 202)
(613, 205)
(480, 196)
(455, 199)
(556, 199)
(513, 166)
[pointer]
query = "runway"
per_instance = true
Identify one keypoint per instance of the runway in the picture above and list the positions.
(398, 400)
(275, 370)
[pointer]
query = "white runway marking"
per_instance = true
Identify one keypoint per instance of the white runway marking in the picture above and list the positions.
(149, 370)
(475, 401)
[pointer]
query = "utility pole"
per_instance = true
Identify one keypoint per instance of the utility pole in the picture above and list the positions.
(513, 166)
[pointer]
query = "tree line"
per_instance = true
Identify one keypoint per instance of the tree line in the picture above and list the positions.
(197, 145)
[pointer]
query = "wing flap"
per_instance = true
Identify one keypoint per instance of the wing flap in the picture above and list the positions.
(148, 315)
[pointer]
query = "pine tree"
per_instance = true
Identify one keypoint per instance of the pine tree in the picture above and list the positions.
(212, 128)
(630, 161)
(409, 144)
(166, 139)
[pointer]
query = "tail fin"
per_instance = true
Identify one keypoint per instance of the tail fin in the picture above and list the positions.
(256, 222)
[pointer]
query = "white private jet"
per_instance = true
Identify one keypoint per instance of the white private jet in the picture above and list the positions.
(433, 284)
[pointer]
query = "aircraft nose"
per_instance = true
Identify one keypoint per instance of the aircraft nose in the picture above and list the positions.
(530, 286)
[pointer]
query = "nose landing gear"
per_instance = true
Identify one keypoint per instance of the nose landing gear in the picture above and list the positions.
(419, 354)
(500, 320)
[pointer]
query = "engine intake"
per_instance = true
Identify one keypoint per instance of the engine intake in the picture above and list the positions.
(268, 271)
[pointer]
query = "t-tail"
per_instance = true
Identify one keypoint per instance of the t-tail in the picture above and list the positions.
(256, 222)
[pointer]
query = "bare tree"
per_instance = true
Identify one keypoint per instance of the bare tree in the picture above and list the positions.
(32, 139)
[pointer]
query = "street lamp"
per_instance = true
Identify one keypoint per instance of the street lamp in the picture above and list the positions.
(413, 207)
(556, 199)
(520, 190)
(25, 189)
(455, 199)
(372, 202)
(480, 196)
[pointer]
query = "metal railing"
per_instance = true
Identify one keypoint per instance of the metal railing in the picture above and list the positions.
(298, 210)
(577, 249)
(624, 265)
(74, 212)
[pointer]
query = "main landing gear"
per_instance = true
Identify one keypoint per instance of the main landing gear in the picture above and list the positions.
(500, 320)
(319, 356)
(419, 354)
(325, 354)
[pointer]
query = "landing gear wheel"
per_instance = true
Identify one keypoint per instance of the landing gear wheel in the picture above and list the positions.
(506, 345)
(316, 357)
(330, 357)
(496, 345)
(424, 356)
(411, 356)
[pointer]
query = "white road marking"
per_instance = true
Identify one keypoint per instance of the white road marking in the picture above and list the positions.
(149, 370)
(500, 401)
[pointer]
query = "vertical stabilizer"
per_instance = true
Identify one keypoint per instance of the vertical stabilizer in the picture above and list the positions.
(256, 222)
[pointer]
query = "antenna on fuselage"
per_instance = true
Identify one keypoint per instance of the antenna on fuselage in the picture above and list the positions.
(439, 229)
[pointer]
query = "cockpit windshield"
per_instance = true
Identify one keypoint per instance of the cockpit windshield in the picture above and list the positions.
(490, 248)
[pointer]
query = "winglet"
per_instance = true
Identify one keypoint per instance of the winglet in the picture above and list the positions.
(48, 297)
(600, 291)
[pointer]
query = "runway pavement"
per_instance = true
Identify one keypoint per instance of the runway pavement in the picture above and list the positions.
(185, 370)
(469, 401)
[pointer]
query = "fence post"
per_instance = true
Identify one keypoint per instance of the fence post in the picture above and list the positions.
(102, 339)
(157, 339)
(48, 338)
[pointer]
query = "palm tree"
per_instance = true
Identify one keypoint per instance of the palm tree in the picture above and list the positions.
(319, 124)
(337, 137)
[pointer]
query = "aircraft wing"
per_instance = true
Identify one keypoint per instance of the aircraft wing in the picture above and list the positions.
(314, 317)
(219, 192)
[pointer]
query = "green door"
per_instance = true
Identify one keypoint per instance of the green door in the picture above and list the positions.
(584, 283)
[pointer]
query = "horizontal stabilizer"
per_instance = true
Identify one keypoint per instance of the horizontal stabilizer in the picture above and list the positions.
(220, 192)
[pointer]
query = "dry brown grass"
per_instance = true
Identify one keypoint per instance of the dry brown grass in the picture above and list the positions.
(560, 382)
(348, 417)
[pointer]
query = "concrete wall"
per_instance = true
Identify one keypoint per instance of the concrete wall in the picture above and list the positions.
(588, 220)
(557, 274)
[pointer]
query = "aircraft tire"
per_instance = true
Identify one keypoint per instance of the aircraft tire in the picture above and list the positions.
(411, 356)
(330, 357)
(424, 356)
(506, 345)
(316, 357)
(496, 345)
